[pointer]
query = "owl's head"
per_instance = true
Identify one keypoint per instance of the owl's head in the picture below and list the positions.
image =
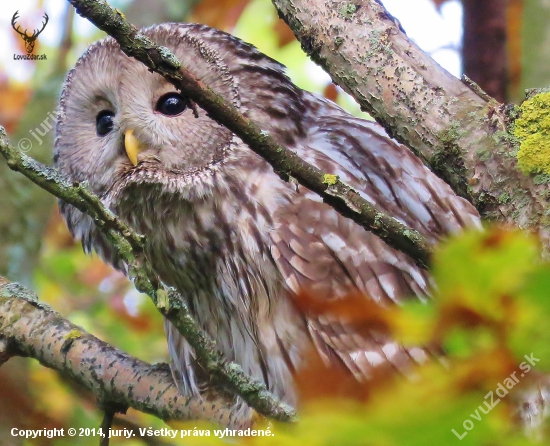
(120, 123)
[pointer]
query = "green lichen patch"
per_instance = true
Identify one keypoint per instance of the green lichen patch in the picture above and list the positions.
(70, 337)
(163, 302)
(542, 178)
(532, 128)
(451, 134)
(504, 198)
(348, 10)
(330, 179)
(73, 334)
(120, 13)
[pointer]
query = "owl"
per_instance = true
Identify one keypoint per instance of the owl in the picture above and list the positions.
(222, 228)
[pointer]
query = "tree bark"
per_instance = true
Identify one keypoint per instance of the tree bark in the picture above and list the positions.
(457, 129)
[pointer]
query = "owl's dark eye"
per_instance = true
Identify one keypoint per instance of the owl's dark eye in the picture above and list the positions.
(104, 122)
(171, 104)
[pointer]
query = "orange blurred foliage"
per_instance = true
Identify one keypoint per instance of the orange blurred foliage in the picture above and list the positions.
(13, 99)
(221, 14)
(357, 311)
(438, 3)
(57, 234)
(514, 17)
(283, 32)
(331, 92)
(23, 412)
(139, 322)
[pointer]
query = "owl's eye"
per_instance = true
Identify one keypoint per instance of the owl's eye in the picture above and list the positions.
(171, 104)
(104, 122)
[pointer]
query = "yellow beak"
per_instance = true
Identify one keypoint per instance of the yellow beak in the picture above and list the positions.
(132, 146)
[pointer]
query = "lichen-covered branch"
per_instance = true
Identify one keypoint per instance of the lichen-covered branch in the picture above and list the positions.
(30, 328)
(365, 51)
(285, 162)
(129, 247)
(461, 134)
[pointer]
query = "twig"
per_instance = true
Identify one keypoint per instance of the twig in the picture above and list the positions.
(106, 424)
(284, 162)
(477, 89)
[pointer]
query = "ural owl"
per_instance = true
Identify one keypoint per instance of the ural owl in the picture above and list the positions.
(221, 226)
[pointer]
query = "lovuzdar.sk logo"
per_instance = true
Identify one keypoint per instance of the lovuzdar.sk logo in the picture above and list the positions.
(29, 39)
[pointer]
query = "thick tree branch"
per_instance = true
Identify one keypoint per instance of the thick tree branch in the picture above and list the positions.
(32, 329)
(460, 134)
(284, 162)
(129, 247)
(364, 50)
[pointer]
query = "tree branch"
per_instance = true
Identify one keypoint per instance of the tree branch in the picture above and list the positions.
(366, 52)
(284, 162)
(461, 135)
(32, 329)
(129, 247)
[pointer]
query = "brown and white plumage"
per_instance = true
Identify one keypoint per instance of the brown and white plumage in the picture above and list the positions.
(235, 240)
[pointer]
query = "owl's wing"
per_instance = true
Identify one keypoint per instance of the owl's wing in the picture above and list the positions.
(319, 251)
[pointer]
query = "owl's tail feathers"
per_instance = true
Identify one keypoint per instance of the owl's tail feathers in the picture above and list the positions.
(194, 384)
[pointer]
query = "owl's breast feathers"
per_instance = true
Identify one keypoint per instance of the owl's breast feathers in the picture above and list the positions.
(240, 253)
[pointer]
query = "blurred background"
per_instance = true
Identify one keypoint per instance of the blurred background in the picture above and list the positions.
(504, 45)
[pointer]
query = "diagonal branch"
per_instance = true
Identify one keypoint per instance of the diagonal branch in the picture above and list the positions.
(129, 247)
(284, 162)
(32, 329)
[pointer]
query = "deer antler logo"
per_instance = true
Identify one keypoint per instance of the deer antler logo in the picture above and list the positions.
(29, 40)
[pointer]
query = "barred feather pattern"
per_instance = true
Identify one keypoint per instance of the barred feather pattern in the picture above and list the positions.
(221, 226)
